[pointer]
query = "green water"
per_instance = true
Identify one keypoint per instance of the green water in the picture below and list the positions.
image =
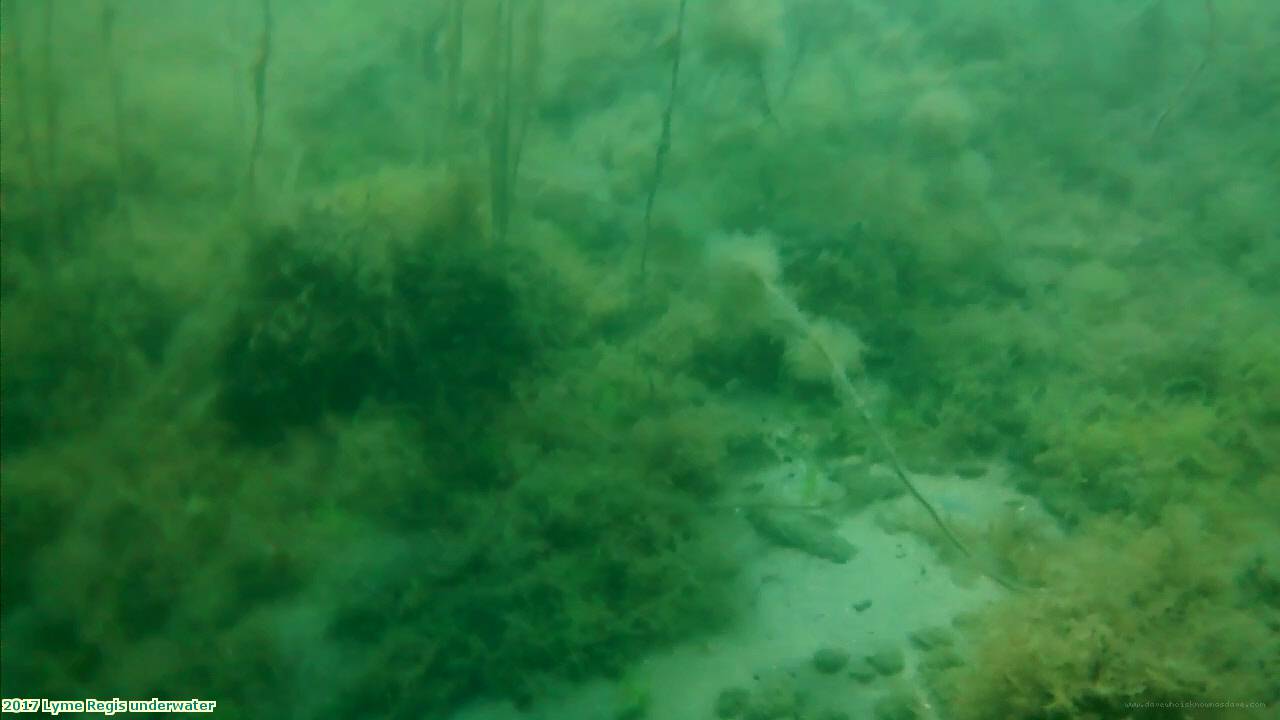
(371, 358)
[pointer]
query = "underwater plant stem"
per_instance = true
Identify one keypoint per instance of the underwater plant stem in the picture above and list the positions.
(762, 83)
(664, 141)
(500, 123)
(22, 99)
(53, 211)
(259, 77)
(532, 63)
(114, 89)
(453, 70)
(1211, 42)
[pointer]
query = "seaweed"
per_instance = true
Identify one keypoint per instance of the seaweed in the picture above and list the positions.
(1134, 618)
(664, 139)
(258, 78)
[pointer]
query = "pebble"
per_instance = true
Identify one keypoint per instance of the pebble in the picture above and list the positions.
(932, 637)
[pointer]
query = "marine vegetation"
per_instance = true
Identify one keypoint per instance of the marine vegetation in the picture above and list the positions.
(383, 358)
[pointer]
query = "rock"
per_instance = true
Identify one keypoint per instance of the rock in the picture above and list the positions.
(932, 637)
(775, 700)
(801, 531)
(830, 660)
(895, 706)
(887, 660)
(862, 671)
(940, 659)
(865, 485)
(732, 703)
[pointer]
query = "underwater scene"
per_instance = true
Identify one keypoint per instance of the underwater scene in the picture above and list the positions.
(640, 359)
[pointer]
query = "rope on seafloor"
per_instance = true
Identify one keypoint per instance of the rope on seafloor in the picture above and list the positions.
(852, 399)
